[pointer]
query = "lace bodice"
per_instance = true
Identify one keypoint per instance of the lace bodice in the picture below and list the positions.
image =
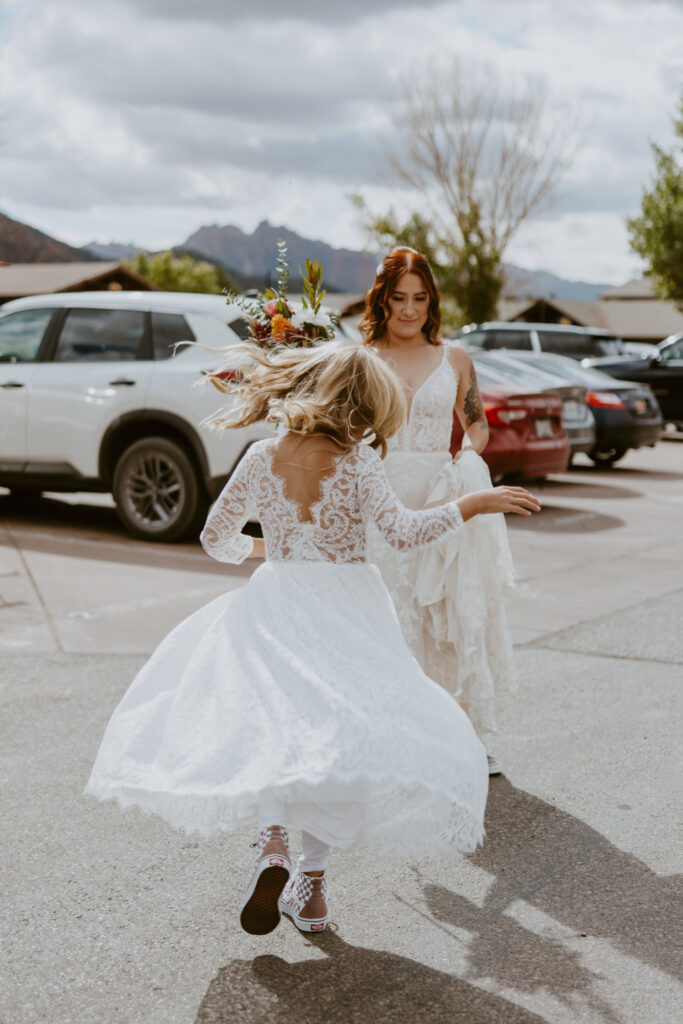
(429, 424)
(355, 493)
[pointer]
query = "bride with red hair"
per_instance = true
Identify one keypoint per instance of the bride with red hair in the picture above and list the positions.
(450, 598)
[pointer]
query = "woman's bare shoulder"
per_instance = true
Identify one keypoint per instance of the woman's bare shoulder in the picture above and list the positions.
(458, 356)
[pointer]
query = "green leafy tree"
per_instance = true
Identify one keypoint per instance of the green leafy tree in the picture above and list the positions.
(480, 159)
(657, 234)
(180, 273)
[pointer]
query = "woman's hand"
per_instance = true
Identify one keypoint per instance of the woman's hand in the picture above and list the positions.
(498, 499)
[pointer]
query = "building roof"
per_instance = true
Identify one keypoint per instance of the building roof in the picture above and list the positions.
(18, 279)
(632, 319)
(642, 318)
(638, 288)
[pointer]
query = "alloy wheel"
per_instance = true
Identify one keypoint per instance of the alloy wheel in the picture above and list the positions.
(154, 490)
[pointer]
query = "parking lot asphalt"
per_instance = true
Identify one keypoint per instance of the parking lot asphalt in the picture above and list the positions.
(569, 912)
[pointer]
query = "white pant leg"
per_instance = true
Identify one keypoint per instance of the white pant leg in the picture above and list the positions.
(272, 813)
(314, 853)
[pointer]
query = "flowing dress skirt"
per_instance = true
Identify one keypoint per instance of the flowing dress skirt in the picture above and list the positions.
(297, 687)
(450, 597)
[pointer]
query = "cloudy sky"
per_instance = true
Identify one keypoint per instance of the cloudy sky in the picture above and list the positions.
(140, 120)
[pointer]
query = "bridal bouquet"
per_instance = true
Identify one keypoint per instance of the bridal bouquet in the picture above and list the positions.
(276, 320)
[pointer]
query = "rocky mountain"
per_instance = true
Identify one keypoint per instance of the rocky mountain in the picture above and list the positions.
(255, 255)
(20, 243)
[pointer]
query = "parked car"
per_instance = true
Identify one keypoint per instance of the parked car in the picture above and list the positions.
(526, 436)
(577, 418)
(94, 397)
(663, 372)
(639, 349)
(576, 342)
(626, 415)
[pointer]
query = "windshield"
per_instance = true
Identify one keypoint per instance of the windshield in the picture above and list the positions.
(517, 370)
(570, 370)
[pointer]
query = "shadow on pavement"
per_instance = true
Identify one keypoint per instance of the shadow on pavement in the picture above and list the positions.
(55, 527)
(566, 869)
(579, 489)
(562, 519)
(631, 474)
(351, 985)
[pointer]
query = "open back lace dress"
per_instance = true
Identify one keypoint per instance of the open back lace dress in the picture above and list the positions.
(298, 686)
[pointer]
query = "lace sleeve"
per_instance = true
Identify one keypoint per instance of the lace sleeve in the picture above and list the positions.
(401, 527)
(221, 537)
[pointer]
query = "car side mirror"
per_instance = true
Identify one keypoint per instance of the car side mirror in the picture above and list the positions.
(656, 360)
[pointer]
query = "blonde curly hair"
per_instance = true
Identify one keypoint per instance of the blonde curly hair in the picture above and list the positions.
(338, 388)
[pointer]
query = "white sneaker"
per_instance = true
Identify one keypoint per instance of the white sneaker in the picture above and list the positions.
(259, 913)
(304, 900)
(495, 766)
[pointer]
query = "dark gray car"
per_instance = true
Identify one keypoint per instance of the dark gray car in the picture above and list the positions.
(626, 415)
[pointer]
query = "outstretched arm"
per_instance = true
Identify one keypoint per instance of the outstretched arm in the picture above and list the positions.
(401, 527)
(407, 528)
(221, 537)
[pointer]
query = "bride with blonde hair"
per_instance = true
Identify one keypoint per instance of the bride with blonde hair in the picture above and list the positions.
(293, 701)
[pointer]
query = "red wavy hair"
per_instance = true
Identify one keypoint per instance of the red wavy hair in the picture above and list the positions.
(395, 264)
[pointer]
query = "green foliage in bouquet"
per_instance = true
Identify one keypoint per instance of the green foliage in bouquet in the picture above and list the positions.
(275, 320)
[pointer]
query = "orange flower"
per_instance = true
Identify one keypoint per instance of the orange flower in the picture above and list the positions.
(280, 325)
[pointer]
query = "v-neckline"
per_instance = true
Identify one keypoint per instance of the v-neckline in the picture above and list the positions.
(325, 481)
(416, 391)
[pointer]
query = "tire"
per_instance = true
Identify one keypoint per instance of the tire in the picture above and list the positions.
(607, 457)
(157, 493)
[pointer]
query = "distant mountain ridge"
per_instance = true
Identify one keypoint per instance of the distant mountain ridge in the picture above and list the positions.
(20, 243)
(112, 250)
(349, 270)
(541, 284)
(250, 259)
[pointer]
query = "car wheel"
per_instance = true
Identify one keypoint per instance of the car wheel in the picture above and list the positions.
(608, 456)
(156, 490)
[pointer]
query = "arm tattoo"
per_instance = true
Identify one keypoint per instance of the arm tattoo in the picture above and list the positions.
(472, 408)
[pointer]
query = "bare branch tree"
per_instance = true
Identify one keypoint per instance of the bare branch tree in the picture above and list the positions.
(465, 141)
(484, 157)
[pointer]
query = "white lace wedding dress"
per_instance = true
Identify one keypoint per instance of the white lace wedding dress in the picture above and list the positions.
(299, 687)
(450, 599)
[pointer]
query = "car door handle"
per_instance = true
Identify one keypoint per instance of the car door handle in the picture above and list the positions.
(12, 384)
(121, 382)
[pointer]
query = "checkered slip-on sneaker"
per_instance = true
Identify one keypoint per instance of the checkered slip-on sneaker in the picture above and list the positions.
(304, 900)
(259, 913)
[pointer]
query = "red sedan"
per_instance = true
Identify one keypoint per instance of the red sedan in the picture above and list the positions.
(526, 436)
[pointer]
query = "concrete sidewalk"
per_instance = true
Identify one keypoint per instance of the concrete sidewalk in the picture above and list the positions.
(570, 912)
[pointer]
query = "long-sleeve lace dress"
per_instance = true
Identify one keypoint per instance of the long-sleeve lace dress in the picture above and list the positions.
(450, 598)
(299, 686)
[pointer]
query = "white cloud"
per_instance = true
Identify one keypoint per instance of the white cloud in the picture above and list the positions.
(141, 119)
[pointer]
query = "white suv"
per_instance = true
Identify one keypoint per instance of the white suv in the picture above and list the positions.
(92, 398)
